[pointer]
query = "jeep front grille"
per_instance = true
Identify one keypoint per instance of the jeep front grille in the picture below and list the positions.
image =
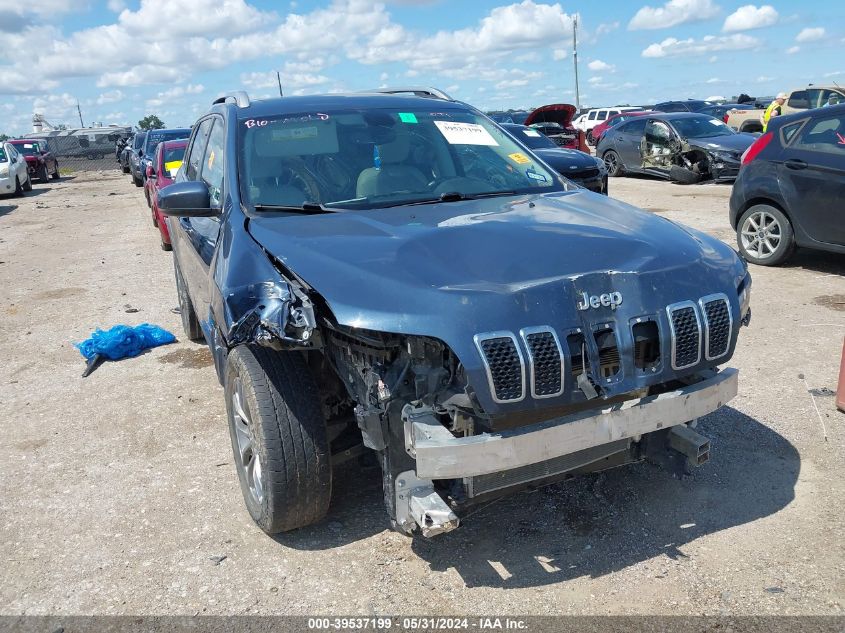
(504, 364)
(686, 334)
(545, 361)
(717, 325)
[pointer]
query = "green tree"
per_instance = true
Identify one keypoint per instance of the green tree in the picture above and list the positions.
(4, 137)
(150, 122)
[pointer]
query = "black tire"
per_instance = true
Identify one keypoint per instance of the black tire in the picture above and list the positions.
(590, 138)
(125, 170)
(139, 182)
(147, 196)
(284, 434)
(683, 176)
(27, 186)
(56, 174)
(155, 219)
(190, 322)
(42, 173)
(613, 163)
(18, 189)
(165, 246)
(755, 246)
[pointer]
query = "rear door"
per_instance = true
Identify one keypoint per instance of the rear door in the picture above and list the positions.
(813, 178)
(627, 137)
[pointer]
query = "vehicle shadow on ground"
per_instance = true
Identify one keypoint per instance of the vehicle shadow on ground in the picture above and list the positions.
(820, 261)
(7, 208)
(592, 525)
(37, 191)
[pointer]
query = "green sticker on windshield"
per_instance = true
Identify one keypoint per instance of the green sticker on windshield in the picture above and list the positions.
(407, 117)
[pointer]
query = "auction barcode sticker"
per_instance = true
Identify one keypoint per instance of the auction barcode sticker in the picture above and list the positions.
(465, 133)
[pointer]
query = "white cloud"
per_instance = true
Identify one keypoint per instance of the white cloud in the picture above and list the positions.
(673, 47)
(559, 54)
(714, 80)
(606, 27)
(116, 6)
(762, 79)
(110, 97)
(673, 13)
(792, 50)
(810, 34)
(835, 73)
(749, 17)
(598, 65)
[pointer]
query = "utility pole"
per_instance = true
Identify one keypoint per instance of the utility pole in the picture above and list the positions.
(279, 79)
(575, 60)
(78, 109)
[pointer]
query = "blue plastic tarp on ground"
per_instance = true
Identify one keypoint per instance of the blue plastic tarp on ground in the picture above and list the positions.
(124, 341)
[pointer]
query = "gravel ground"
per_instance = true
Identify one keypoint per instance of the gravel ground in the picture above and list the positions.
(119, 496)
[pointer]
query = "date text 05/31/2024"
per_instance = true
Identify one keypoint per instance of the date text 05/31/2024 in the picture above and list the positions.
(424, 623)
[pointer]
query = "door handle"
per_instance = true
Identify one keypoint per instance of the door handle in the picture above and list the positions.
(795, 163)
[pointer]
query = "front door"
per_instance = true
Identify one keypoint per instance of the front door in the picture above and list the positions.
(813, 178)
(658, 147)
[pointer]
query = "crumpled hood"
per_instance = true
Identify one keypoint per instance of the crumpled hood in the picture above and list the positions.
(555, 112)
(491, 263)
(729, 143)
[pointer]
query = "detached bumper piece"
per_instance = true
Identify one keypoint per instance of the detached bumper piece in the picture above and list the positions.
(440, 455)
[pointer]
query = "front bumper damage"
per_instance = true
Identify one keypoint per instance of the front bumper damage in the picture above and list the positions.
(549, 448)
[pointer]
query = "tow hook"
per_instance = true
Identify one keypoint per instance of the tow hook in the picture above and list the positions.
(687, 442)
(419, 505)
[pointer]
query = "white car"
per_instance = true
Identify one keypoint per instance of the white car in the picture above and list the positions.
(590, 119)
(14, 176)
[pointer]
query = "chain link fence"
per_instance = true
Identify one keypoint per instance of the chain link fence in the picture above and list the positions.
(84, 149)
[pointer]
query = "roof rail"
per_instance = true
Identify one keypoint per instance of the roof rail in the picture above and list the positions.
(240, 97)
(418, 91)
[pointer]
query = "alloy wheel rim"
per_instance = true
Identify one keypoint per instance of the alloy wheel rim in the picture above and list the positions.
(761, 235)
(610, 162)
(248, 461)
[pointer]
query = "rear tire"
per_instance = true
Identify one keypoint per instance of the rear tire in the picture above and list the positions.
(765, 236)
(165, 246)
(18, 189)
(139, 182)
(190, 322)
(55, 175)
(683, 176)
(27, 186)
(279, 438)
(125, 170)
(42, 173)
(590, 139)
(613, 163)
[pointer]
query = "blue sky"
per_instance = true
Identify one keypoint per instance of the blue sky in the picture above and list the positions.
(122, 59)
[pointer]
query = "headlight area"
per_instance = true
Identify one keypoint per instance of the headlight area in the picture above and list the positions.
(744, 294)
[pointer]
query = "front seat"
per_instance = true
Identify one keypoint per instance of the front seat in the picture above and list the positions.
(265, 187)
(393, 176)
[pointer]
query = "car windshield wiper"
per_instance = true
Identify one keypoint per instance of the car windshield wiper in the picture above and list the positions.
(306, 208)
(452, 196)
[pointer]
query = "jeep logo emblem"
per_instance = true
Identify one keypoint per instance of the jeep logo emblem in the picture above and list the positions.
(610, 300)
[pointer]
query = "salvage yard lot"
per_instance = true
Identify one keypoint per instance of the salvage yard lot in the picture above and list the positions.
(118, 493)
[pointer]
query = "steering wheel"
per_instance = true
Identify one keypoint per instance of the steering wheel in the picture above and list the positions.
(295, 174)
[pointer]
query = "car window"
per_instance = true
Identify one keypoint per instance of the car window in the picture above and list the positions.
(657, 132)
(197, 151)
(378, 157)
(4, 158)
(799, 99)
(824, 134)
(701, 127)
(212, 163)
(634, 126)
(172, 160)
(602, 115)
(787, 132)
(831, 97)
(592, 116)
(531, 138)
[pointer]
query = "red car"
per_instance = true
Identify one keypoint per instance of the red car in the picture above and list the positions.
(166, 162)
(616, 119)
(555, 121)
(40, 162)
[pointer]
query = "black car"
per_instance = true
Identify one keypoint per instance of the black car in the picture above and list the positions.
(129, 153)
(791, 186)
(580, 168)
(721, 110)
(148, 148)
(394, 273)
(685, 147)
(690, 105)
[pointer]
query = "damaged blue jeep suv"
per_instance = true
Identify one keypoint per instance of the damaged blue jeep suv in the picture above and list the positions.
(391, 273)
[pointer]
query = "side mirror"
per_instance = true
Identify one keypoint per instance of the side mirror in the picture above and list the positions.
(151, 173)
(189, 199)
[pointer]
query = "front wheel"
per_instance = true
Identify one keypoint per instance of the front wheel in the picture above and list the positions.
(55, 175)
(612, 162)
(18, 188)
(590, 138)
(139, 182)
(764, 235)
(279, 438)
(27, 186)
(42, 173)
